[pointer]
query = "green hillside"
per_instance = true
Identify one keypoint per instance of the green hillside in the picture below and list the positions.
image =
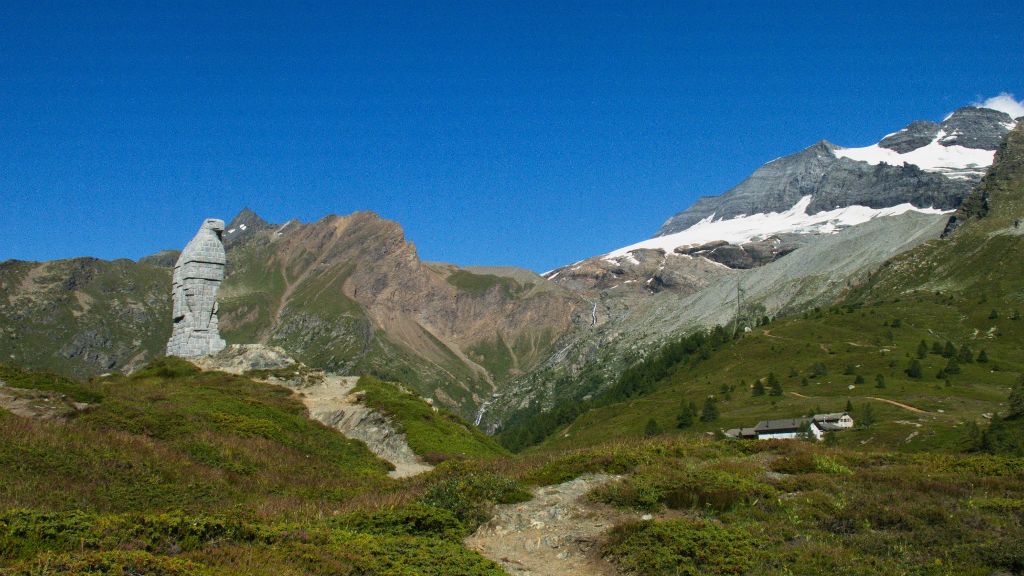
(930, 345)
(176, 471)
(434, 434)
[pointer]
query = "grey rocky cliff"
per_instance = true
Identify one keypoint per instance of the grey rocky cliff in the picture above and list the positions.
(838, 182)
(197, 278)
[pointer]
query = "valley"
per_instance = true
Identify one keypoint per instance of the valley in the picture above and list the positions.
(378, 414)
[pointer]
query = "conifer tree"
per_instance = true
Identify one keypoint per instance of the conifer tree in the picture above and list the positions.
(1017, 401)
(914, 370)
(952, 367)
(849, 407)
(983, 357)
(867, 416)
(966, 354)
(937, 348)
(879, 381)
(686, 416)
(922, 350)
(652, 429)
(710, 411)
(993, 315)
(775, 387)
(758, 389)
(950, 350)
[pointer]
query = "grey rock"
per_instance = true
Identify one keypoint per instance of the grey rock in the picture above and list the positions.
(919, 133)
(749, 255)
(197, 277)
(970, 127)
(838, 182)
(244, 225)
(832, 182)
(241, 358)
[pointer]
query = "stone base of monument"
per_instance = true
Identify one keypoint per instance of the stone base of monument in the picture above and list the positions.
(194, 344)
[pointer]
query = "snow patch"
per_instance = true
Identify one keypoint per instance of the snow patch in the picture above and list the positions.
(743, 229)
(933, 157)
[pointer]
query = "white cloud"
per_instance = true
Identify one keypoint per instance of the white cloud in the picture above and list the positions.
(1004, 102)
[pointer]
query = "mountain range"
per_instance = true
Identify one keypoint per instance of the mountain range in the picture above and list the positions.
(351, 295)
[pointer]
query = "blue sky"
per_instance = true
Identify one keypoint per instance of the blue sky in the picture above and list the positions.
(520, 133)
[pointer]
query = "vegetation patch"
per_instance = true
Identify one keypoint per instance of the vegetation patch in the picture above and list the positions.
(433, 433)
(680, 548)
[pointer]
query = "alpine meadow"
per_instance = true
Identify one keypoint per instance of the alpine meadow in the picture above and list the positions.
(813, 366)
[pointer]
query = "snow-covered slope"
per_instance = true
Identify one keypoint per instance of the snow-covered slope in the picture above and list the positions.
(743, 229)
(927, 164)
(951, 161)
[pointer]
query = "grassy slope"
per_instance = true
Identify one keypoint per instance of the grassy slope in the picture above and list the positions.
(179, 473)
(433, 433)
(945, 290)
(173, 471)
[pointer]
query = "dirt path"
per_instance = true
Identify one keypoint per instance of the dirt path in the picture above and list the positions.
(913, 409)
(554, 534)
(328, 399)
(332, 403)
(899, 404)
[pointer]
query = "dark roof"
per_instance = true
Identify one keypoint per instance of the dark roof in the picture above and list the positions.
(831, 417)
(786, 425)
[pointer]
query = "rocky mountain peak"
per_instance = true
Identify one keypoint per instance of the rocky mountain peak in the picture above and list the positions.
(972, 127)
(917, 134)
(244, 224)
(926, 164)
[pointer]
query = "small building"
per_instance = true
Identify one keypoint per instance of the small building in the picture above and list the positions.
(833, 421)
(785, 428)
(816, 425)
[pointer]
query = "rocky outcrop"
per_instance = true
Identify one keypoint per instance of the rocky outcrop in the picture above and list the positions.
(242, 358)
(39, 404)
(332, 402)
(836, 181)
(747, 255)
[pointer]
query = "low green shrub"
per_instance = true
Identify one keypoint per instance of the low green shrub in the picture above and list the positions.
(166, 367)
(414, 519)
(680, 548)
(113, 563)
(469, 494)
(681, 487)
(18, 378)
(829, 465)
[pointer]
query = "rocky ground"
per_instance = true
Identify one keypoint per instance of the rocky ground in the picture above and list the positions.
(38, 404)
(556, 533)
(332, 402)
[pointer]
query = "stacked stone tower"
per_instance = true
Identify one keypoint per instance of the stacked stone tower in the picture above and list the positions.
(197, 277)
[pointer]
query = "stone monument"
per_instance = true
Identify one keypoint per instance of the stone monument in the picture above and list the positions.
(197, 276)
